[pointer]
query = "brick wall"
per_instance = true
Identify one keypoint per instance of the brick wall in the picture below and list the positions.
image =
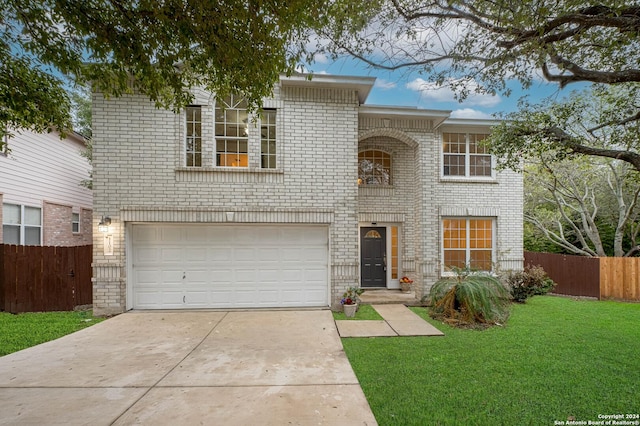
(138, 173)
(57, 229)
(139, 177)
(419, 197)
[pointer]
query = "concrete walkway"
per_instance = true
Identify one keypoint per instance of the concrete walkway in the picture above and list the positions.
(398, 321)
(186, 368)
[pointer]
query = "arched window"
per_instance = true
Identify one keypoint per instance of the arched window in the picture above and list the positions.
(374, 168)
(373, 234)
(232, 132)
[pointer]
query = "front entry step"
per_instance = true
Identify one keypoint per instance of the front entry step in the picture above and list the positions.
(385, 296)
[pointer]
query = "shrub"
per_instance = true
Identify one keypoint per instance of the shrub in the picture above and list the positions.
(470, 298)
(533, 280)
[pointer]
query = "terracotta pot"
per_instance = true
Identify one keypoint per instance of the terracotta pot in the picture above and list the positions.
(350, 310)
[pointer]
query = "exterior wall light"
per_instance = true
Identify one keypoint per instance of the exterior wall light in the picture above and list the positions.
(103, 226)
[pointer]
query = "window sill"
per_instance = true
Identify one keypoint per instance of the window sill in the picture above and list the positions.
(449, 179)
(375, 190)
(228, 174)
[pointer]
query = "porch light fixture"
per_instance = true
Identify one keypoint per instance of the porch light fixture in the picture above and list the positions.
(103, 226)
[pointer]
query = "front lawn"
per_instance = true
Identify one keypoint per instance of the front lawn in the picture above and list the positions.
(21, 331)
(555, 359)
(365, 312)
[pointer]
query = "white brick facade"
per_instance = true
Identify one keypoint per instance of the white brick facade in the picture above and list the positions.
(140, 177)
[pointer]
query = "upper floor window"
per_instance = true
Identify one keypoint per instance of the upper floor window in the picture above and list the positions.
(194, 136)
(374, 168)
(465, 155)
(232, 132)
(467, 242)
(21, 225)
(75, 222)
(268, 139)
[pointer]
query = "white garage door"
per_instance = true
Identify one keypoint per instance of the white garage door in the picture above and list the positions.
(229, 266)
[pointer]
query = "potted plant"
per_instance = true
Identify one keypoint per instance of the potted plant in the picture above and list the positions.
(405, 284)
(350, 301)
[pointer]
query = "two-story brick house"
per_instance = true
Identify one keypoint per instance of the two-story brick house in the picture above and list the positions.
(214, 207)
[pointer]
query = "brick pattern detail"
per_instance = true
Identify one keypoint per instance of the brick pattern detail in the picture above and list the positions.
(56, 226)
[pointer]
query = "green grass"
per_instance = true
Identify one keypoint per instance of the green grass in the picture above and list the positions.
(365, 312)
(22, 331)
(555, 358)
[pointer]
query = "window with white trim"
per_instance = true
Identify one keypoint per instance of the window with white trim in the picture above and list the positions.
(75, 223)
(268, 139)
(374, 167)
(193, 143)
(468, 242)
(21, 225)
(232, 132)
(465, 155)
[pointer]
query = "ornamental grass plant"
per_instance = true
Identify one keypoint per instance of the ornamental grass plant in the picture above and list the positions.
(470, 299)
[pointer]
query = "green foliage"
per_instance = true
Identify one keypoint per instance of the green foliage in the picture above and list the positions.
(597, 121)
(551, 361)
(534, 240)
(351, 296)
(470, 298)
(82, 123)
(461, 42)
(586, 206)
(30, 98)
(29, 329)
(167, 48)
(480, 46)
(531, 281)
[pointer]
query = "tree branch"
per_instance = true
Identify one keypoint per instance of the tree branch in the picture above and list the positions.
(563, 138)
(582, 74)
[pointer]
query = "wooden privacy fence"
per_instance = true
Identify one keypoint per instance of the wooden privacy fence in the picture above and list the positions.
(601, 277)
(39, 279)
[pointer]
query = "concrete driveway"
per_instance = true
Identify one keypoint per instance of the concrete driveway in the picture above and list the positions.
(210, 368)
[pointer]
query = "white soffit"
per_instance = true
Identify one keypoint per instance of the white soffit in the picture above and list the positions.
(362, 85)
(381, 111)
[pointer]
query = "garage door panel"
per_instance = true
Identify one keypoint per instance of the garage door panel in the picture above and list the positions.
(170, 234)
(145, 234)
(172, 254)
(219, 254)
(196, 235)
(229, 266)
(246, 277)
(195, 255)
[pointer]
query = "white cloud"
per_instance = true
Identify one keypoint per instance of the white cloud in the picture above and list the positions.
(384, 84)
(320, 58)
(470, 113)
(446, 92)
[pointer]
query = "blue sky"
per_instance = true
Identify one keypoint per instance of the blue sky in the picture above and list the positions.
(402, 88)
